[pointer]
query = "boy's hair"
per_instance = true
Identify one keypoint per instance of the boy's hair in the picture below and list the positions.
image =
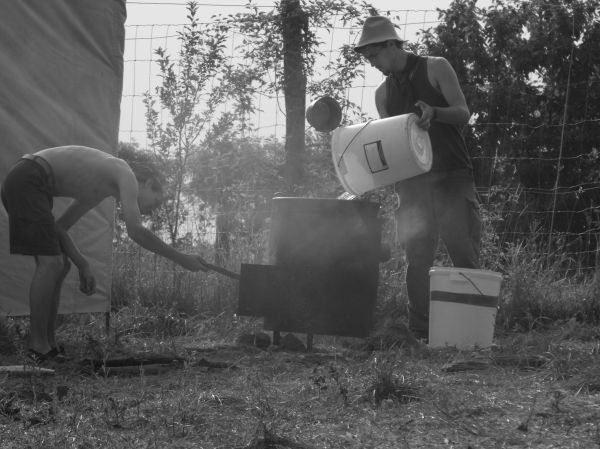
(144, 166)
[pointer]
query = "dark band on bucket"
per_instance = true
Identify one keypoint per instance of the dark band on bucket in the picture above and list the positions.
(465, 298)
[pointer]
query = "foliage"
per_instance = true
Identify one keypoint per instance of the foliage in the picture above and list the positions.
(527, 69)
(530, 75)
(190, 93)
(143, 278)
(236, 178)
(238, 174)
(263, 45)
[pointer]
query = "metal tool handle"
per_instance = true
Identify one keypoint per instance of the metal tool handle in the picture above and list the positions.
(224, 271)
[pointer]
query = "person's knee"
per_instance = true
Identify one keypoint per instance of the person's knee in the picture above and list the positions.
(53, 264)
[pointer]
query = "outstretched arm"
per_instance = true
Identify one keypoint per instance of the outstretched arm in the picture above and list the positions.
(146, 239)
(128, 192)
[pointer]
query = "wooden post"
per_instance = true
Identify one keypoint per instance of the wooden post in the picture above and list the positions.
(294, 27)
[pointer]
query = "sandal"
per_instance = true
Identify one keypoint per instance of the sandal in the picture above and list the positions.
(57, 355)
(58, 349)
(53, 355)
(37, 357)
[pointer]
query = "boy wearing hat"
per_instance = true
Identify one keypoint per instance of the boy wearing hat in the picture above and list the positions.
(443, 202)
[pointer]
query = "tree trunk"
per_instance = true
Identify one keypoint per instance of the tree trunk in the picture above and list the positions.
(294, 25)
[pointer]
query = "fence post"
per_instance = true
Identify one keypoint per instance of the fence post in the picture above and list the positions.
(294, 25)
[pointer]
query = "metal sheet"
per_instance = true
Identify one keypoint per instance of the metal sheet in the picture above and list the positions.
(323, 280)
(260, 289)
(307, 300)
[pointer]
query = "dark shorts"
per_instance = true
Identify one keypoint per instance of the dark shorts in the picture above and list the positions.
(27, 196)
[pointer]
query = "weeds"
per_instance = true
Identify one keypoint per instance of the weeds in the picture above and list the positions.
(389, 385)
(262, 407)
(141, 279)
(539, 286)
(145, 321)
(533, 296)
(524, 425)
(8, 336)
(389, 400)
(9, 407)
(330, 378)
(305, 401)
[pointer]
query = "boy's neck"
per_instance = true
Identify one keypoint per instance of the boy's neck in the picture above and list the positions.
(400, 59)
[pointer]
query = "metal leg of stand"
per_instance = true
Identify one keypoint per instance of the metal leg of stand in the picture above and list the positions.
(276, 338)
(309, 342)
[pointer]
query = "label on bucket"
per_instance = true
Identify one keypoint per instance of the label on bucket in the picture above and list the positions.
(375, 157)
(465, 298)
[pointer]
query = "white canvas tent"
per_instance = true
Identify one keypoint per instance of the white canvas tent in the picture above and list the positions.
(61, 80)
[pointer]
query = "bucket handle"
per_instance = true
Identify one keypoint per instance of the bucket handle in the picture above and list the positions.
(352, 140)
(471, 282)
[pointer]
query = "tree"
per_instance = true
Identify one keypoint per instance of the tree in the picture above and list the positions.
(266, 37)
(236, 175)
(530, 74)
(189, 94)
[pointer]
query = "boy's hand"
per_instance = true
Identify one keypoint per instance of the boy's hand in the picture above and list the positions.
(427, 114)
(195, 263)
(87, 282)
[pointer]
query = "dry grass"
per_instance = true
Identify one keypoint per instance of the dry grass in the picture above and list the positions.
(332, 397)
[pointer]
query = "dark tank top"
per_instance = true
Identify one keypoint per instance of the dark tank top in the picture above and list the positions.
(412, 84)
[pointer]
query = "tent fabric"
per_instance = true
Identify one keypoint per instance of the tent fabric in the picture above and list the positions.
(60, 84)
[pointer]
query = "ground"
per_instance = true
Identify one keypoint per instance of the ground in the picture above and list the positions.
(539, 389)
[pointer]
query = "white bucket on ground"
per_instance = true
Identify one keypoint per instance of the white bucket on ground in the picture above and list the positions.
(463, 306)
(380, 152)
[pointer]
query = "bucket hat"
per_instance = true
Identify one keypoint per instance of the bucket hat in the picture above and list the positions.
(324, 114)
(377, 29)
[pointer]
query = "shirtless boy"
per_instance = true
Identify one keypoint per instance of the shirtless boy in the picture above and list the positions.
(88, 176)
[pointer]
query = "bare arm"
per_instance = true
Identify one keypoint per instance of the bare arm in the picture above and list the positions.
(128, 192)
(146, 239)
(381, 100)
(87, 282)
(70, 249)
(443, 77)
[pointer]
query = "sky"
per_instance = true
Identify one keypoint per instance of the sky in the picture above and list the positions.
(173, 11)
(153, 23)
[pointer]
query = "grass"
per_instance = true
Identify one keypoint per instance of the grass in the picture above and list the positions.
(337, 396)
(537, 387)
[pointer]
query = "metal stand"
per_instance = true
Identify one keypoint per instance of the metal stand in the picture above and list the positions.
(276, 338)
(309, 342)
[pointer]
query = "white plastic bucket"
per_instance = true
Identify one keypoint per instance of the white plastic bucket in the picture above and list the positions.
(463, 306)
(380, 152)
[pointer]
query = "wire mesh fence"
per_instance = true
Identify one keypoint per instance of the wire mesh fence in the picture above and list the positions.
(557, 216)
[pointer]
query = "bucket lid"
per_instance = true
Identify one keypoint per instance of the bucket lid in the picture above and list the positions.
(324, 114)
(469, 271)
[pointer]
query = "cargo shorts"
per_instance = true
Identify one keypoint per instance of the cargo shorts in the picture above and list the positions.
(27, 195)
